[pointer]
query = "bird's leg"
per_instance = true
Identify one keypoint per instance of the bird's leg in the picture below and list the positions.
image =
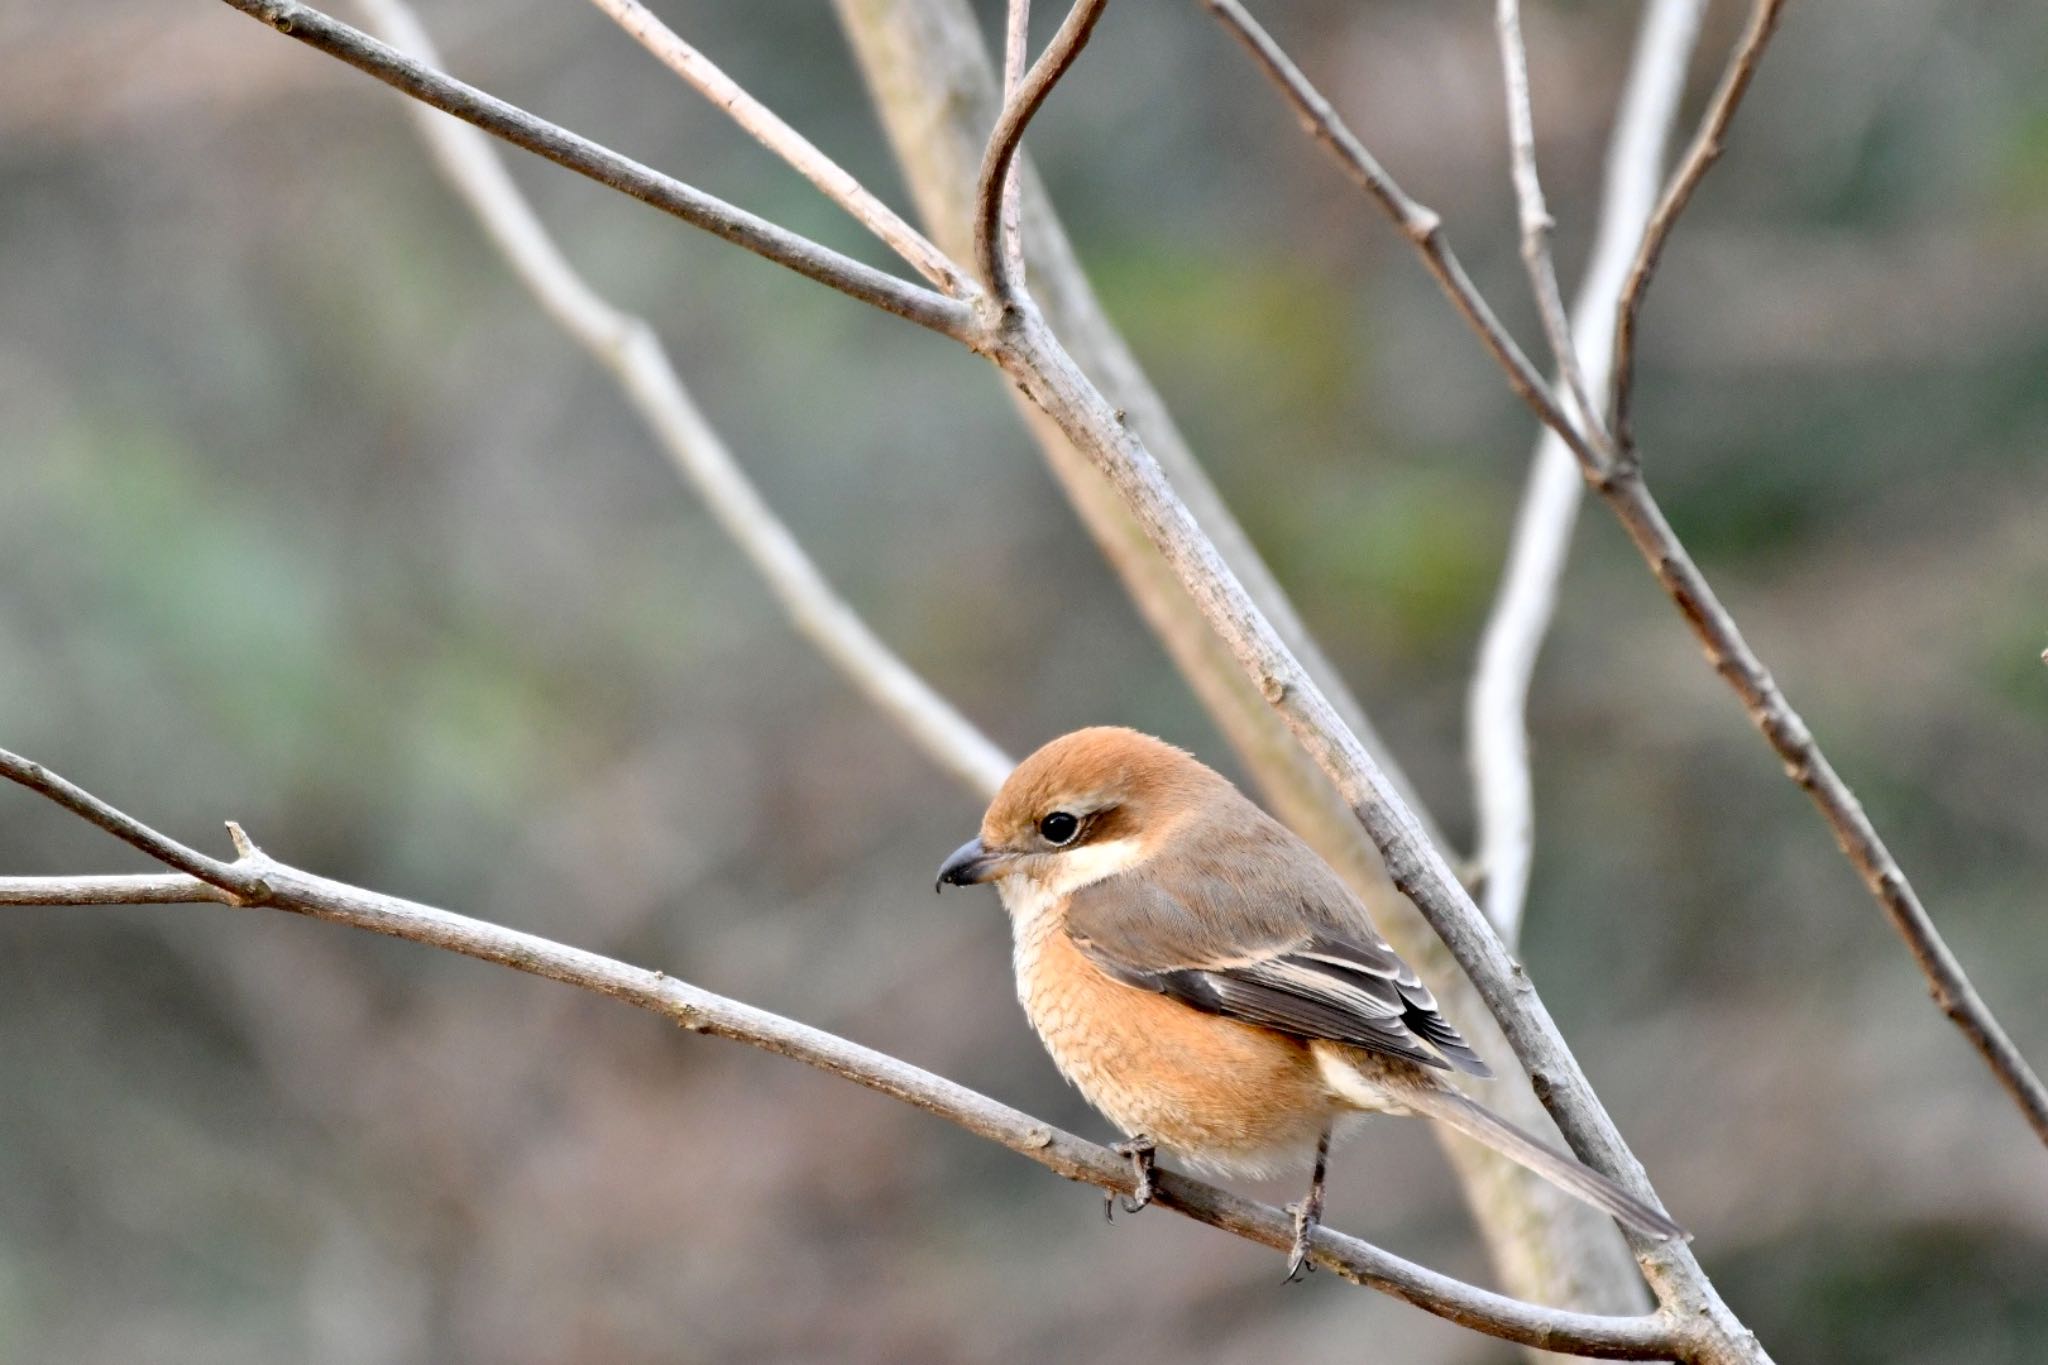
(1140, 1150)
(1308, 1214)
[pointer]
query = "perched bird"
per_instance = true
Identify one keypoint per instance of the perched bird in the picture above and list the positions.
(1210, 985)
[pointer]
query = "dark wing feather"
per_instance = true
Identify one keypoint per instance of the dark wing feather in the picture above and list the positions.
(1279, 942)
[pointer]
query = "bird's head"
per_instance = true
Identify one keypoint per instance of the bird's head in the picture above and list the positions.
(1088, 805)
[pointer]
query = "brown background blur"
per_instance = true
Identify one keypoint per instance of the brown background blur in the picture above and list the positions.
(309, 519)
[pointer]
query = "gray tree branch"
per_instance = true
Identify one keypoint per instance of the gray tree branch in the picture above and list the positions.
(950, 317)
(936, 89)
(768, 128)
(254, 879)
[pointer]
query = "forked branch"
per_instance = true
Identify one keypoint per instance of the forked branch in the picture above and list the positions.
(257, 880)
(1020, 105)
(768, 128)
(922, 306)
(1620, 482)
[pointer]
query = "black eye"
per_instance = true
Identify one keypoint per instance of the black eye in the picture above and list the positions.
(1059, 827)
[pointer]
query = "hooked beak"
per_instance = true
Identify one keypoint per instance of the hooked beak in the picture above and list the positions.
(969, 864)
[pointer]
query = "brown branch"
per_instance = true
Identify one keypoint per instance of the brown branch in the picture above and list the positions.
(1731, 657)
(1620, 483)
(922, 306)
(1001, 158)
(1707, 145)
(278, 886)
(1421, 225)
(768, 128)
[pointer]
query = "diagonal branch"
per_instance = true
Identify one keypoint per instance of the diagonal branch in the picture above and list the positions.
(998, 163)
(939, 94)
(1620, 483)
(1497, 732)
(1536, 222)
(1707, 145)
(768, 128)
(808, 258)
(282, 887)
(1421, 225)
(628, 347)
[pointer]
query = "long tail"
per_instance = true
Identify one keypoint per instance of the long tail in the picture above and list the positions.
(1561, 1169)
(1374, 1083)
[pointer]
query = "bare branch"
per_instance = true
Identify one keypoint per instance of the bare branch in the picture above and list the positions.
(1536, 222)
(630, 349)
(1016, 53)
(1497, 734)
(1706, 149)
(1620, 482)
(123, 826)
(1001, 158)
(1033, 359)
(913, 302)
(768, 128)
(1419, 224)
(121, 888)
(1731, 657)
(938, 93)
(282, 887)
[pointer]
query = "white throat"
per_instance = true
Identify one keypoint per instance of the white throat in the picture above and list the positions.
(1030, 900)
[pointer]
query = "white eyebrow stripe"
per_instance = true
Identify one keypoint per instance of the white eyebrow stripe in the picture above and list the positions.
(1090, 863)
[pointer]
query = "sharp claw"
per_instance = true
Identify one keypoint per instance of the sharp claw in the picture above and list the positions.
(1140, 1150)
(1305, 1224)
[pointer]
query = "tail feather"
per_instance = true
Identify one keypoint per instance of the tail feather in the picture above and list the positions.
(1566, 1172)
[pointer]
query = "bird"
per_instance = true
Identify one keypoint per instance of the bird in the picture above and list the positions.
(1212, 987)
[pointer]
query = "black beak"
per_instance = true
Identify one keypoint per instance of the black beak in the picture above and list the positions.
(969, 864)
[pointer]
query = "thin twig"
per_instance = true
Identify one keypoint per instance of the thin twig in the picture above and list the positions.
(1621, 484)
(1706, 149)
(1417, 222)
(949, 317)
(283, 887)
(998, 163)
(1497, 733)
(768, 128)
(1016, 53)
(1536, 222)
(1731, 657)
(629, 347)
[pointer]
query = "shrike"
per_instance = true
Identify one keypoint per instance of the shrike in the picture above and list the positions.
(1210, 985)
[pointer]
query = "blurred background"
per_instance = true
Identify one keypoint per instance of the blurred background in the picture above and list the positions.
(309, 519)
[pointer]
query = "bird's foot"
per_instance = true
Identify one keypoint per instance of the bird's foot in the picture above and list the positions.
(1141, 1151)
(1308, 1216)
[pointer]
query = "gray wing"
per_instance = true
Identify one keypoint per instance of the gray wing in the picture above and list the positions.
(1269, 946)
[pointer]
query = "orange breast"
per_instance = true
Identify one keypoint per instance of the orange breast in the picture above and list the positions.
(1227, 1096)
